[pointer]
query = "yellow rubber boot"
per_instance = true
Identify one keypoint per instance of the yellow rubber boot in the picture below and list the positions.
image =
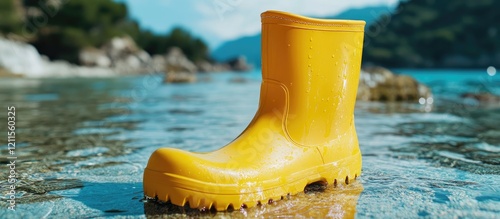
(303, 131)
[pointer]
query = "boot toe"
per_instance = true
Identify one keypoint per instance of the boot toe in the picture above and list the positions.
(172, 161)
(189, 165)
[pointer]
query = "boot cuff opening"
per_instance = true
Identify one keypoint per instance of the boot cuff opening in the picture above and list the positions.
(284, 18)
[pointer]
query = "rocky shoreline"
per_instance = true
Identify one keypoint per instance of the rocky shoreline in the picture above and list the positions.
(19, 59)
(120, 56)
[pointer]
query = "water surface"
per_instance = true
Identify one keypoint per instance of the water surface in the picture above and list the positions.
(82, 145)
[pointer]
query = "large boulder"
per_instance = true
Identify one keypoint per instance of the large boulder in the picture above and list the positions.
(94, 57)
(380, 84)
(21, 58)
(178, 68)
(177, 62)
(120, 53)
(158, 63)
(126, 56)
(120, 47)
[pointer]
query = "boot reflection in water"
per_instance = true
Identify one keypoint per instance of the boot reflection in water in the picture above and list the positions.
(334, 202)
(303, 131)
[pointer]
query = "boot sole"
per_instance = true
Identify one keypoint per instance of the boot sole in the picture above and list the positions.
(206, 196)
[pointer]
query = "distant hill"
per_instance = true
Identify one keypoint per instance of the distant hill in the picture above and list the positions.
(368, 14)
(249, 46)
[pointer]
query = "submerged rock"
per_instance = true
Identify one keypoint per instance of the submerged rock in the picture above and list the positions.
(488, 98)
(180, 77)
(380, 84)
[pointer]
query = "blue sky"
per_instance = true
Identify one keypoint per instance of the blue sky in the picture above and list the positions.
(217, 21)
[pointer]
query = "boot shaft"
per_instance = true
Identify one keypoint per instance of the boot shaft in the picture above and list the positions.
(317, 64)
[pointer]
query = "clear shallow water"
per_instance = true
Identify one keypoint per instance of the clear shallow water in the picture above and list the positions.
(82, 146)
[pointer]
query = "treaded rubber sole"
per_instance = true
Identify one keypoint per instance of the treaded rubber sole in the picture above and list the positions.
(182, 191)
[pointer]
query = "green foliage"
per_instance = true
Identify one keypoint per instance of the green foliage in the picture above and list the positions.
(425, 33)
(60, 33)
(10, 19)
(194, 48)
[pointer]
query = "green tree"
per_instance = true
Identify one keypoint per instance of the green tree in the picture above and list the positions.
(83, 23)
(10, 18)
(78, 24)
(193, 47)
(425, 33)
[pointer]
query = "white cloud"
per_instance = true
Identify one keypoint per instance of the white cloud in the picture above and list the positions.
(239, 17)
(229, 19)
